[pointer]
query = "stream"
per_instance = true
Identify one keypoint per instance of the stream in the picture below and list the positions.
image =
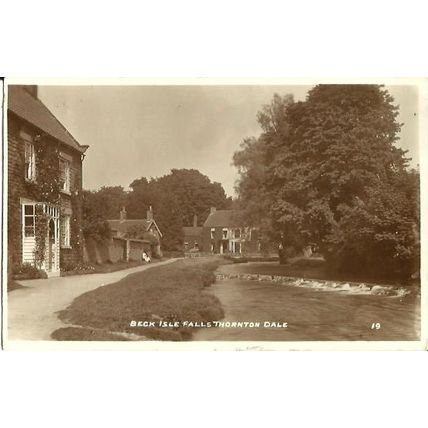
(309, 314)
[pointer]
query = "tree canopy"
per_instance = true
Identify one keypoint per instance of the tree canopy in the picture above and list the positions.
(175, 199)
(99, 206)
(326, 171)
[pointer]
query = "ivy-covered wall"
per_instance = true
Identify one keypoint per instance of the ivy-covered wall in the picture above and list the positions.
(46, 188)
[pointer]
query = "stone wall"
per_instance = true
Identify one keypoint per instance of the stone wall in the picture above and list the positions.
(106, 251)
(136, 248)
(114, 250)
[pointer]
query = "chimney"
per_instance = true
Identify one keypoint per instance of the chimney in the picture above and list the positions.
(150, 213)
(195, 220)
(213, 210)
(123, 214)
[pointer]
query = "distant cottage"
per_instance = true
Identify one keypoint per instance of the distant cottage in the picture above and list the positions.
(144, 230)
(44, 198)
(223, 232)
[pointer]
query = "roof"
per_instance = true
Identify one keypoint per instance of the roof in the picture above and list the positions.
(192, 231)
(132, 239)
(123, 226)
(33, 111)
(224, 218)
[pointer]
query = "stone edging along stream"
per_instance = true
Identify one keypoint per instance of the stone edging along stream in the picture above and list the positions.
(322, 285)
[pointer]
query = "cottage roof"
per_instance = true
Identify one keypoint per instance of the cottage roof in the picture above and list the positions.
(33, 111)
(224, 218)
(123, 226)
(192, 231)
(146, 241)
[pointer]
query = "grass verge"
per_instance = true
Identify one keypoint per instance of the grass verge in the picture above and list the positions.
(174, 292)
(88, 268)
(13, 285)
(76, 333)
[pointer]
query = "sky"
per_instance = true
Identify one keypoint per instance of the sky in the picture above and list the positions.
(145, 131)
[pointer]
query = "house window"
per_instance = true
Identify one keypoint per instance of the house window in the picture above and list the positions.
(30, 161)
(65, 231)
(224, 233)
(29, 220)
(212, 232)
(237, 233)
(64, 170)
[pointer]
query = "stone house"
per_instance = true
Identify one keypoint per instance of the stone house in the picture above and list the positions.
(34, 131)
(192, 236)
(223, 232)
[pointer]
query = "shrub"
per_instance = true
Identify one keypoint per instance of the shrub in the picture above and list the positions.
(28, 271)
(77, 267)
(68, 266)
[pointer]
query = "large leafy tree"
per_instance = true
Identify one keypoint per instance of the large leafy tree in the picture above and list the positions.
(333, 176)
(175, 199)
(254, 161)
(99, 206)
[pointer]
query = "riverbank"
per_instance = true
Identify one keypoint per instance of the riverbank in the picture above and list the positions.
(134, 306)
(314, 268)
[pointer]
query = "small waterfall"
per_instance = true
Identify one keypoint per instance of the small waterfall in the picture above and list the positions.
(323, 285)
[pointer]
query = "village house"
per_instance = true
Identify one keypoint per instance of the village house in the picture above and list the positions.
(193, 236)
(44, 185)
(223, 232)
(141, 234)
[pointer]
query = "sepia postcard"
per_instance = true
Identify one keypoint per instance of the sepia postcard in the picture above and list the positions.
(214, 214)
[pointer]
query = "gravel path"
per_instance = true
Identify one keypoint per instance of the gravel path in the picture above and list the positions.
(32, 311)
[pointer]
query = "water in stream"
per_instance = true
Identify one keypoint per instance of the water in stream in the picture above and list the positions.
(311, 314)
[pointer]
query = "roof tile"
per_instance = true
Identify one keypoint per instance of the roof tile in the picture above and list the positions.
(32, 110)
(224, 218)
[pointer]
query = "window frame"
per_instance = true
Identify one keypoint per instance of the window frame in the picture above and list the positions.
(25, 216)
(30, 155)
(65, 231)
(65, 175)
(224, 233)
(212, 233)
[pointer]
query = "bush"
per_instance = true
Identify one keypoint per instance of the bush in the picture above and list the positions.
(81, 267)
(28, 271)
(67, 266)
